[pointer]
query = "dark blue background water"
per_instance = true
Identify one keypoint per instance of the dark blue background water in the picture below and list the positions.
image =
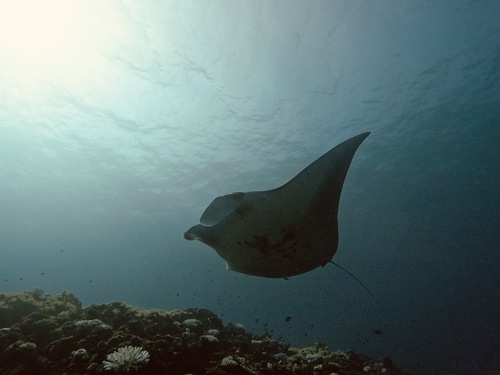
(121, 121)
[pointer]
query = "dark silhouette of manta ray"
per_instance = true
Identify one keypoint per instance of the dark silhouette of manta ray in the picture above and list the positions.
(285, 231)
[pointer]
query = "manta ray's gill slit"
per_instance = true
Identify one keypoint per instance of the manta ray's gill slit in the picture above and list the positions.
(260, 243)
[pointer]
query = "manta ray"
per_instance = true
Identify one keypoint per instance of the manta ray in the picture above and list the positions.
(282, 232)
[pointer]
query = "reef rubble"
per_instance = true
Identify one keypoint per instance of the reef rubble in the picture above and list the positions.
(42, 334)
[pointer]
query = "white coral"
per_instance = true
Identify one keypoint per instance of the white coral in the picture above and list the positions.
(228, 361)
(126, 358)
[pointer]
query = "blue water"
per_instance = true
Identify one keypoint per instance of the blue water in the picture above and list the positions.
(120, 121)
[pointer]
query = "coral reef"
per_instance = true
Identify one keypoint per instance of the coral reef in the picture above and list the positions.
(42, 334)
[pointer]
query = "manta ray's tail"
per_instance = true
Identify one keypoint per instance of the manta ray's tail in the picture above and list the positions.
(354, 277)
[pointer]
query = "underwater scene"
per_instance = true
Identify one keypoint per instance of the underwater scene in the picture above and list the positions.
(250, 187)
